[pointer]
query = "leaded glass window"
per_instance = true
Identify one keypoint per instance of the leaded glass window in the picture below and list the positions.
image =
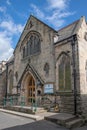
(64, 73)
(61, 76)
(32, 46)
(10, 81)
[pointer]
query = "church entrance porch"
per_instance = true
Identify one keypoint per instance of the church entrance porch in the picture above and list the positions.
(28, 90)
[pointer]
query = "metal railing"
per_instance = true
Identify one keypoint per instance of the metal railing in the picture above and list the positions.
(40, 102)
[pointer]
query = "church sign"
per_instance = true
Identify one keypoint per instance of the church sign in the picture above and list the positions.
(48, 88)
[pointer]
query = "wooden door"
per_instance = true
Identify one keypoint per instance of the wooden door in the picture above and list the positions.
(31, 90)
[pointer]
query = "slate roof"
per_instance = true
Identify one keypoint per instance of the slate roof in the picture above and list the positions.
(67, 31)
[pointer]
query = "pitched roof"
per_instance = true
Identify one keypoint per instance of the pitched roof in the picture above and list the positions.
(43, 23)
(26, 25)
(67, 31)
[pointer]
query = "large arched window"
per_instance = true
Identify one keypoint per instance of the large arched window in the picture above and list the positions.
(64, 73)
(33, 45)
(10, 81)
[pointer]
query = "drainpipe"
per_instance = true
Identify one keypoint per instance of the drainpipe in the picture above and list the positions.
(74, 73)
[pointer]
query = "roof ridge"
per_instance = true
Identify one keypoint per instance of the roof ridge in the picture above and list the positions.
(43, 22)
(69, 25)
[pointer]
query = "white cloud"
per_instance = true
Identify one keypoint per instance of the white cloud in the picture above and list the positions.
(2, 9)
(58, 4)
(8, 30)
(6, 49)
(65, 14)
(55, 12)
(55, 21)
(11, 27)
(38, 11)
(8, 2)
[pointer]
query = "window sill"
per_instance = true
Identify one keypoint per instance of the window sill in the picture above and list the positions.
(68, 92)
(65, 91)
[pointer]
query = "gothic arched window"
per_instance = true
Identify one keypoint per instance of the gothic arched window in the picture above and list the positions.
(16, 76)
(64, 73)
(33, 45)
(23, 52)
(10, 81)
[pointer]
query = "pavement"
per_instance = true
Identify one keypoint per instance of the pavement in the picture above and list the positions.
(39, 125)
(13, 122)
(10, 120)
(40, 116)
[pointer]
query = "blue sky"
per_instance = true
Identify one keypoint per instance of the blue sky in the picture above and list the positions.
(14, 15)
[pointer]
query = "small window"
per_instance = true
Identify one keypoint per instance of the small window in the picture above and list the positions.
(24, 52)
(30, 24)
(46, 69)
(16, 76)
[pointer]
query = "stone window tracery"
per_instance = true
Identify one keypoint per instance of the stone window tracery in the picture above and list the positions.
(64, 73)
(33, 45)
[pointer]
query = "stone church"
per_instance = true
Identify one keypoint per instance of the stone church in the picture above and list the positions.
(50, 67)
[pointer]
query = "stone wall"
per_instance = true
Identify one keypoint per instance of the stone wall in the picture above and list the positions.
(38, 60)
(66, 98)
(82, 47)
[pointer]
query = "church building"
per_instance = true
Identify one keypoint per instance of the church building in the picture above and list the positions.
(49, 66)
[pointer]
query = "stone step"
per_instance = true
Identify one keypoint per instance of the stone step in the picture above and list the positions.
(60, 118)
(29, 110)
(41, 111)
(74, 123)
(67, 120)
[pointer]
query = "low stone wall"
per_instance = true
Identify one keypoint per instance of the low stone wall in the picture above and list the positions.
(64, 101)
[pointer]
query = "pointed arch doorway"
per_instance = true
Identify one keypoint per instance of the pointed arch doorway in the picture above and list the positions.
(29, 88)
